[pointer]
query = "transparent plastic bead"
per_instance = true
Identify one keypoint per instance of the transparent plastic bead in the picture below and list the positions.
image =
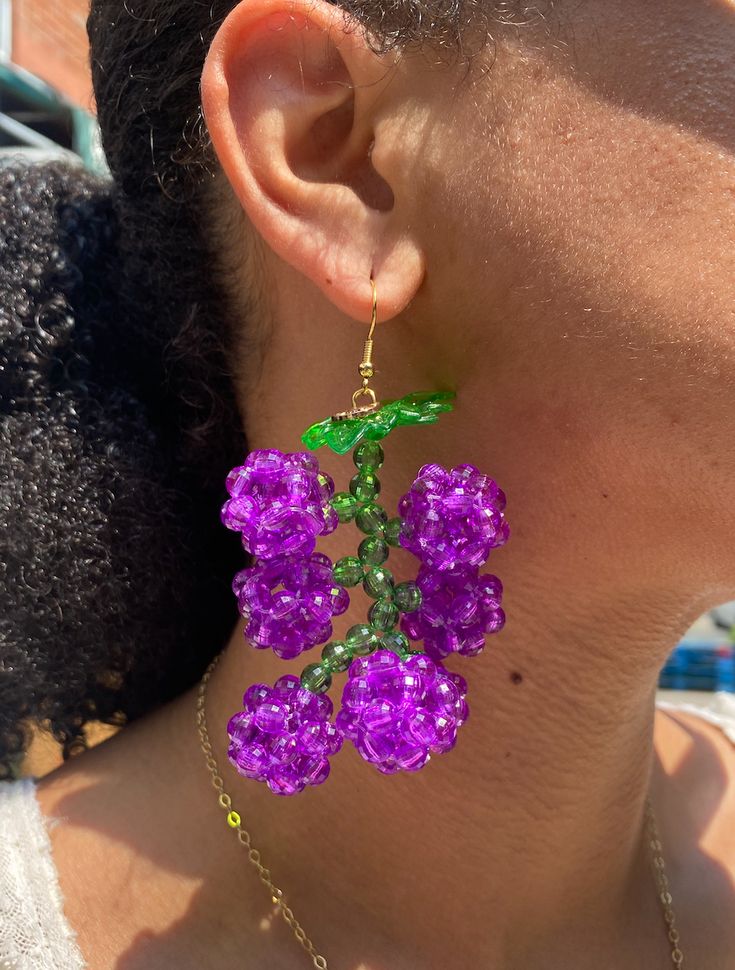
(378, 582)
(396, 641)
(373, 551)
(336, 656)
(365, 486)
(369, 455)
(407, 597)
(316, 678)
(362, 639)
(345, 505)
(371, 519)
(383, 615)
(392, 532)
(348, 571)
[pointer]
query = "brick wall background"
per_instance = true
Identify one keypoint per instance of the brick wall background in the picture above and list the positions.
(50, 41)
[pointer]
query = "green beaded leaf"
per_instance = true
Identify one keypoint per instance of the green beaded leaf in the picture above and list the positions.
(422, 407)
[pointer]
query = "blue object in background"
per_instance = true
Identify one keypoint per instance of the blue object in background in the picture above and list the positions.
(700, 665)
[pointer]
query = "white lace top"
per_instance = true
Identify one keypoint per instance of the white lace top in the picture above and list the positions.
(34, 933)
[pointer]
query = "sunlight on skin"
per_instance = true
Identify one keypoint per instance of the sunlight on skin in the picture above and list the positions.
(679, 742)
(676, 747)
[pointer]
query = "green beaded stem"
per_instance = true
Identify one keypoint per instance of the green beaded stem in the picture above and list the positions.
(371, 519)
(345, 505)
(336, 657)
(407, 597)
(348, 571)
(367, 569)
(373, 551)
(398, 642)
(378, 582)
(383, 615)
(365, 486)
(392, 532)
(362, 639)
(316, 678)
(369, 455)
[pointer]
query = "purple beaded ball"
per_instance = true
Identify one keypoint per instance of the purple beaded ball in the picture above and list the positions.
(280, 503)
(397, 712)
(283, 736)
(452, 518)
(458, 609)
(289, 603)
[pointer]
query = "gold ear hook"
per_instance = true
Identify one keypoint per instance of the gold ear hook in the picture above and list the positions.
(366, 364)
(366, 369)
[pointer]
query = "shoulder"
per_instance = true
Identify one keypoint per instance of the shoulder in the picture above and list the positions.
(34, 934)
(695, 748)
(718, 710)
(697, 739)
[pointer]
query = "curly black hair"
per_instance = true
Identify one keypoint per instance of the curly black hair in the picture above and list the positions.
(118, 420)
(114, 437)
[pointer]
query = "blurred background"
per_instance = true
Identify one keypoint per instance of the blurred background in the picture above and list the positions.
(46, 103)
(47, 111)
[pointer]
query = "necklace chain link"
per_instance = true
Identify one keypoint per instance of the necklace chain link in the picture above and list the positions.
(234, 820)
(662, 885)
(278, 897)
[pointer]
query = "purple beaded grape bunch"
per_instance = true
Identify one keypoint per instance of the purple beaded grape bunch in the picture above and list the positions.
(399, 705)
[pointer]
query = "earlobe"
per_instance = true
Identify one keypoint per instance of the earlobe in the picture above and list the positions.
(295, 101)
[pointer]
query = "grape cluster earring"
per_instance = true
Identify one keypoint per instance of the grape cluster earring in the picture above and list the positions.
(399, 703)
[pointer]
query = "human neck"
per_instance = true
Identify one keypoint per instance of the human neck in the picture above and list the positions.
(534, 819)
(527, 834)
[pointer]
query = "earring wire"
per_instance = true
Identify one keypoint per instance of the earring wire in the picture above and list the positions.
(366, 368)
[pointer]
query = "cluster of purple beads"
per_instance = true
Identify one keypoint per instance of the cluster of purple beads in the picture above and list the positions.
(459, 608)
(396, 711)
(289, 603)
(284, 736)
(451, 521)
(398, 707)
(280, 504)
(452, 518)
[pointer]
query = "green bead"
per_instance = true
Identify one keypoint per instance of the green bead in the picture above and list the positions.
(365, 486)
(378, 582)
(316, 678)
(336, 656)
(373, 551)
(371, 519)
(345, 505)
(407, 597)
(362, 639)
(369, 455)
(392, 532)
(396, 641)
(348, 571)
(383, 615)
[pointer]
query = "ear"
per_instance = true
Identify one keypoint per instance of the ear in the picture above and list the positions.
(302, 116)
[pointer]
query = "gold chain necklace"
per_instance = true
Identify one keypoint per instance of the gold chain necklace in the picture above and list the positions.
(279, 900)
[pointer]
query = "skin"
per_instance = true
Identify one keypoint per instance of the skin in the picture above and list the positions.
(553, 238)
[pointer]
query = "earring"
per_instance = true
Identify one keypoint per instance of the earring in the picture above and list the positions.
(399, 703)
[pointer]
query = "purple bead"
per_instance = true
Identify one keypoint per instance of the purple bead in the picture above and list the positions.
(459, 608)
(280, 503)
(452, 518)
(284, 736)
(289, 603)
(397, 712)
